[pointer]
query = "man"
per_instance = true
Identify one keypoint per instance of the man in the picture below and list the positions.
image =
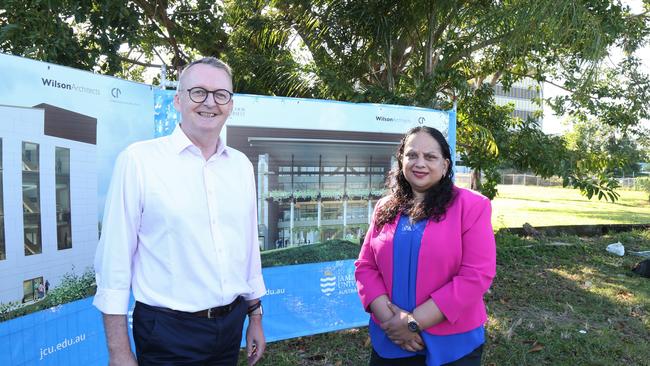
(41, 291)
(180, 230)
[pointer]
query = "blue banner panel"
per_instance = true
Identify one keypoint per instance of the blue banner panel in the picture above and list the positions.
(311, 298)
(300, 300)
(70, 334)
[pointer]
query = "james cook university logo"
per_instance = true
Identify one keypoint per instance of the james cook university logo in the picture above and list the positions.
(328, 283)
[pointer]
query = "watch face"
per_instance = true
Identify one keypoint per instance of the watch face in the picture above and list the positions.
(413, 326)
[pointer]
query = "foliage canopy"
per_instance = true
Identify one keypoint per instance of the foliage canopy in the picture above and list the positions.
(414, 52)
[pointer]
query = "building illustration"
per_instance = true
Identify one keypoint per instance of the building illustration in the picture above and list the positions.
(48, 203)
(320, 165)
(315, 185)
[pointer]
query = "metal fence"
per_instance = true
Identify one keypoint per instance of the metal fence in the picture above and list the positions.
(463, 180)
(530, 180)
(636, 183)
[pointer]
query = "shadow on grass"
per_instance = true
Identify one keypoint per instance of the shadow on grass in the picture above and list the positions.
(541, 300)
(636, 204)
(568, 305)
(612, 216)
(524, 199)
(537, 199)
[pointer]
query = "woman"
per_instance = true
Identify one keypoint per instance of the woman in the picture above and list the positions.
(427, 259)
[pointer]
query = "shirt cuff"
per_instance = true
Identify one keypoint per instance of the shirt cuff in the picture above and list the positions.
(113, 302)
(258, 288)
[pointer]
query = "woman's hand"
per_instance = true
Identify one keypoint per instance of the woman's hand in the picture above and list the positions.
(379, 307)
(396, 328)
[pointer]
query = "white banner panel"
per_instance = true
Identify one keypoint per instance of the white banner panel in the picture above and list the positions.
(123, 109)
(318, 114)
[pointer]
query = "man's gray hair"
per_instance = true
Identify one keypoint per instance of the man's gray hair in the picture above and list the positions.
(211, 61)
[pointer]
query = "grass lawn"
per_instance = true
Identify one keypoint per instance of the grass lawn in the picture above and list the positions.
(550, 206)
(570, 303)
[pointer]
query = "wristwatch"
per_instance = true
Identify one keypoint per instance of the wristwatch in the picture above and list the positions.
(256, 309)
(412, 324)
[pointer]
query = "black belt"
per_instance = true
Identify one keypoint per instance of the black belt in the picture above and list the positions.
(215, 312)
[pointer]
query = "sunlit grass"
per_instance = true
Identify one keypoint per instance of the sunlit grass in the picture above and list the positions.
(568, 305)
(555, 301)
(550, 206)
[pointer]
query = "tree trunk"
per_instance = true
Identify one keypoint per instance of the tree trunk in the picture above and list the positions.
(390, 78)
(475, 180)
(428, 49)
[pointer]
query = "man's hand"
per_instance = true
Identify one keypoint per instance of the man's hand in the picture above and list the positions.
(119, 345)
(255, 341)
(396, 329)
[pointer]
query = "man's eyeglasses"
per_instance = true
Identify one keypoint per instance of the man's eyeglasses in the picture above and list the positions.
(199, 95)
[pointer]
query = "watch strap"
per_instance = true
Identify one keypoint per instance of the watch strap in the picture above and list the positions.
(256, 309)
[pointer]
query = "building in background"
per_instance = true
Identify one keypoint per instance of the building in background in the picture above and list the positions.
(48, 203)
(522, 94)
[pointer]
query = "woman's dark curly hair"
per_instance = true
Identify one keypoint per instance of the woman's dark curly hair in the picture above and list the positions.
(436, 199)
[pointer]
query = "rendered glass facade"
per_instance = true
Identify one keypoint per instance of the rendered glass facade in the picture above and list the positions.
(63, 223)
(31, 199)
(30, 289)
(3, 253)
(315, 185)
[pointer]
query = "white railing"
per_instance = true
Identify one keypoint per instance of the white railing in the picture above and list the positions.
(634, 184)
(463, 180)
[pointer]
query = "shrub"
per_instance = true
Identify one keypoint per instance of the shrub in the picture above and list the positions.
(330, 250)
(72, 287)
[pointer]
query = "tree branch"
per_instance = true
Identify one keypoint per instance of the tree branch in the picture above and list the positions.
(159, 13)
(558, 85)
(495, 78)
(136, 62)
(434, 37)
(468, 51)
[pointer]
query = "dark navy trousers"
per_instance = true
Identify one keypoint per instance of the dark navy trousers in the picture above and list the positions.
(166, 339)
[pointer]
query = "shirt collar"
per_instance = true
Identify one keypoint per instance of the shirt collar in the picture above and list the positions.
(181, 142)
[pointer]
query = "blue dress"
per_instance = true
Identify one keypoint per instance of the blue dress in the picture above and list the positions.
(439, 349)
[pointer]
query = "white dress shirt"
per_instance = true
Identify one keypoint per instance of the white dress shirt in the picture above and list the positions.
(178, 230)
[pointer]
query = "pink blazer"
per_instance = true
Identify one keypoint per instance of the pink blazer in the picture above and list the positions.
(456, 265)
